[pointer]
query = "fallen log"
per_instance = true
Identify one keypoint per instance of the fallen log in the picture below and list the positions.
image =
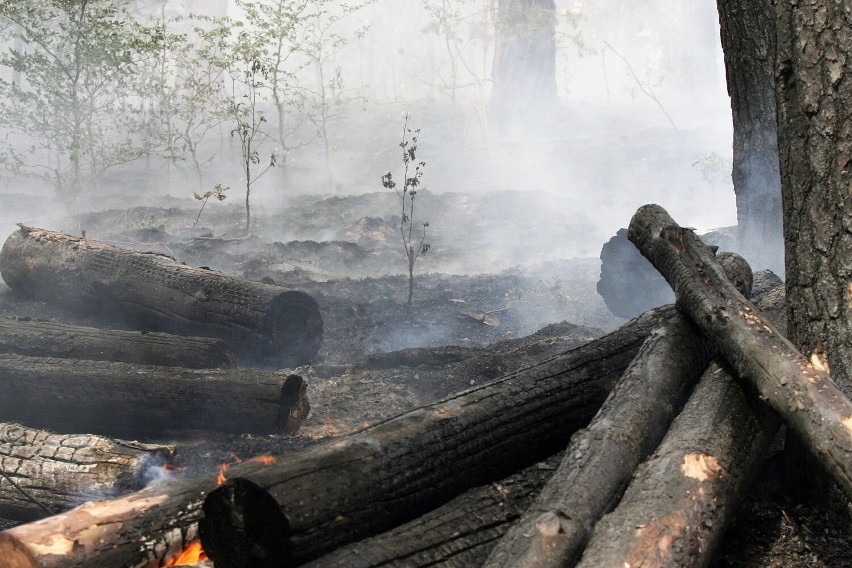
(133, 401)
(264, 324)
(50, 339)
(801, 391)
(146, 527)
(601, 458)
(675, 510)
(350, 488)
(459, 533)
(42, 473)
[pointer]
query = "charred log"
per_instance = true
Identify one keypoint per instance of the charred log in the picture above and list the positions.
(801, 391)
(164, 517)
(601, 458)
(131, 401)
(677, 507)
(50, 339)
(460, 533)
(368, 482)
(156, 293)
(42, 473)
(143, 529)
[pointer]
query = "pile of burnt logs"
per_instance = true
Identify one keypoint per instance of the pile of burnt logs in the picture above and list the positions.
(73, 395)
(661, 425)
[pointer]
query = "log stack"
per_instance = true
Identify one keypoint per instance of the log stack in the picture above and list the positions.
(266, 325)
(663, 423)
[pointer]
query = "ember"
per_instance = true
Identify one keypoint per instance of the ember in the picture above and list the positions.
(190, 555)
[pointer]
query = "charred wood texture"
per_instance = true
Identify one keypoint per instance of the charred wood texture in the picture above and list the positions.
(602, 457)
(801, 391)
(460, 533)
(42, 473)
(264, 324)
(629, 284)
(131, 401)
(142, 529)
(51, 339)
(676, 508)
(348, 489)
(146, 527)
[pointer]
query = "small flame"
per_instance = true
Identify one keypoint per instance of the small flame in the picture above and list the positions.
(220, 479)
(192, 554)
(265, 460)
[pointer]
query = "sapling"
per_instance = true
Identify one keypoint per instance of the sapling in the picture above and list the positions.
(218, 192)
(414, 248)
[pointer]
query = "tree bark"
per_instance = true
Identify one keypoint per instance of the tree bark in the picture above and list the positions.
(264, 324)
(163, 517)
(44, 473)
(460, 533)
(601, 458)
(368, 482)
(50, 339)
(524, 68)
(748, 40)
(131, 401)
(814, 90)
(676, 508)
(802, 392)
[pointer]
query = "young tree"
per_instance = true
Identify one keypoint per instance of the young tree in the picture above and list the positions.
(748, 39)
(815, 139)
(415, 245)
(240, 55)
(67, 104)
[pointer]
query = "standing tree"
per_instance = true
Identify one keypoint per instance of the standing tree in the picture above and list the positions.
(524, 71)
(814, 88)
(240, 54)
(748, 39)
(67, 103)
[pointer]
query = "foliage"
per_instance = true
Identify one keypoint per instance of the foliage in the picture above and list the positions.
(69, 105)
(219, 192)
(713, 168)
(415, 245)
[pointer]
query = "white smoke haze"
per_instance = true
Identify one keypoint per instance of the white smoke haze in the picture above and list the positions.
(641, 101)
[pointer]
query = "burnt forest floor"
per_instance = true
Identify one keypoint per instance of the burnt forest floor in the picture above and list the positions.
(466, 325)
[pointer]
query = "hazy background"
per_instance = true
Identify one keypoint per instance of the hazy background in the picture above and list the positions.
(643, 117)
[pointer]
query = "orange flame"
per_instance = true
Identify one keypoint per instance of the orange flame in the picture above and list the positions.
(190, 555)
(265, 460)
(220, 479)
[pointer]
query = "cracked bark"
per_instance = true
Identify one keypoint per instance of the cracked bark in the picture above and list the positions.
(814, 93)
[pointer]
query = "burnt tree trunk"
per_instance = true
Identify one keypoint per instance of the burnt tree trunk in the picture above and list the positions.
(368, 482)
(42, 473)
(459, 533)
(156, 293)
(130, 401)
(676, 508)
(524, 68)
(601, 458)
(51, 339)
(801, 391)
(748, 40)
(814, 90)
(163, 518)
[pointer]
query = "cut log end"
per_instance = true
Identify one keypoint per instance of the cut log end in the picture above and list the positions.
(15, 554)
(294, 405)
(252, 542)
(294, 327)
